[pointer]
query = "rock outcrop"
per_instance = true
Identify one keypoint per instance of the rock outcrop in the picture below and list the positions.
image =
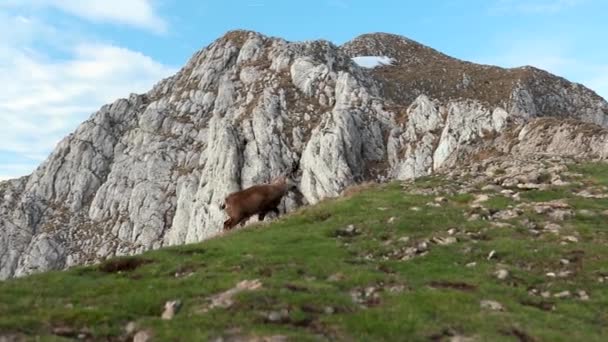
(151, 170)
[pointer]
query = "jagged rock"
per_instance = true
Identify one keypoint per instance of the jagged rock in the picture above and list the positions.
(491, 305)
(152, 170)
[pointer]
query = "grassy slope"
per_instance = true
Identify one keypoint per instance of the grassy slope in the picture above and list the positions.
(294, 256)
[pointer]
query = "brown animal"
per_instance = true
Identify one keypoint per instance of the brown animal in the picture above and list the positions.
(258, 199)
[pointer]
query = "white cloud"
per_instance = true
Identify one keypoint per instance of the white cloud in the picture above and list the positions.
(137, 13)
(534, 6)
(45, 97)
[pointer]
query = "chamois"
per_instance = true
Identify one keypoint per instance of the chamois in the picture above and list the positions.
(258, 199)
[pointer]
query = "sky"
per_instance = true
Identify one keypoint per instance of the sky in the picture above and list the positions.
(60, 60)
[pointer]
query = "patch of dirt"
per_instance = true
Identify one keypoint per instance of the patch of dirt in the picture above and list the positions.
(296, 288)
(460, 286)
(187, 251)
(541, 305)
(123, 264)
(69, 332)
(521, 335)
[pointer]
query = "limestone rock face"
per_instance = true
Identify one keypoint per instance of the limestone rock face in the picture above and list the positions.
(152, 170)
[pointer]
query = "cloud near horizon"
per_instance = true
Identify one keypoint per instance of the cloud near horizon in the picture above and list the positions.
(136, 13)
(55, 79)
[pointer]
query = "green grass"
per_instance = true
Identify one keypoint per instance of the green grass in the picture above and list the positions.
(294, 256)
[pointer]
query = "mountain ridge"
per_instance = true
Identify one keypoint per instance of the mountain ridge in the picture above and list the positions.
(150, 170)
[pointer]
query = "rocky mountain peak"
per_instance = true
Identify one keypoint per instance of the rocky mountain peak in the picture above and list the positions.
(150, 170)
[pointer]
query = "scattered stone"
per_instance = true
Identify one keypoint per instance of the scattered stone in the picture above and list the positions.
(278, 316)
(559, 182)
(561, 214)
(545, 294)
(171, 308)
(564, 262)
(142, 336)
(404, 239)
(368, 296)
(605, 212)
(130, 328)
(391, 220)
(507, 192)
(444, 241)
(491, 305)
(491, 187)
(415, 209)
(491, 254)
(382, 208)
(349, 231)
(582, 295)
(396, 288)
(441, 200)
(586, 213)
(563, 294)
(527, 223)
(501, 274)
(452, 231)
(328, 310)
(335, 277)
(532, 186)
(507, 214)
(471, 264)
(422, 247)
(564, 274)
(481, 198)
(570, 238)
(588, 194)
(226, 298)
(551, 274)
(553, 227)
(501, 225)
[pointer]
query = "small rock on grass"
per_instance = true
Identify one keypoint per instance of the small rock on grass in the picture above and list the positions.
(171, 308)
(444, 241)
(501, 274)
(130, 327)
(563, 294)
(335, 277)
(570, 238)
(481, 198)
(491, 305)
(582, 295)
(349, 231)
(142, 336)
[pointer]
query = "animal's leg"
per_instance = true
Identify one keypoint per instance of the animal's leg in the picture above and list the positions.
(262, 215)
(228, 224)
(242, 221)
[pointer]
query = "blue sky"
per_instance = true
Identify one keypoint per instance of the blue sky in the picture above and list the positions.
(60, 60)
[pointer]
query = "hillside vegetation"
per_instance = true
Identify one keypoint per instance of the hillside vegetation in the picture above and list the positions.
(462, 256)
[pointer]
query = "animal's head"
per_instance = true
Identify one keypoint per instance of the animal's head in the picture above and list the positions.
(286, 181)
